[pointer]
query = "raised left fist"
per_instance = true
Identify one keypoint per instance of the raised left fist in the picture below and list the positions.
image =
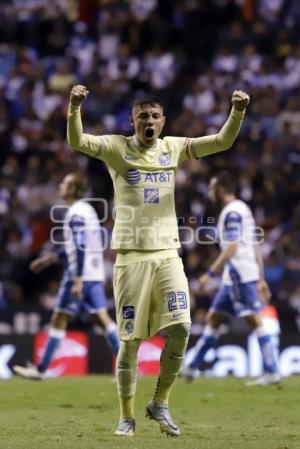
(240, 100)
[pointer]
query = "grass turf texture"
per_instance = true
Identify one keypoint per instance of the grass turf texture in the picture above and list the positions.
(82, 413)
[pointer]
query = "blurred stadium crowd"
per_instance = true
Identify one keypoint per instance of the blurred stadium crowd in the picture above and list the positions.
(192, 54)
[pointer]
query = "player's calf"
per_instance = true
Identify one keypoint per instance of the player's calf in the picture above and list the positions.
(171, 359)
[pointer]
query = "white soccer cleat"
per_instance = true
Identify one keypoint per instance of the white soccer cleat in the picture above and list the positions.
(126, 428)
(266, 379)
(29, 372)
(189, 374)
(160, 413)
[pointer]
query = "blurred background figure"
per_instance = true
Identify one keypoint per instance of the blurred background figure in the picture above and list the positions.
(82, 286)
(243, 290)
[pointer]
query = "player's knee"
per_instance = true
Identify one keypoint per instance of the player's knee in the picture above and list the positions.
(174, 350)
(181, 331)
(59, 320)
(130, 345)
(215, 320)
(254, 321)
(128, 350)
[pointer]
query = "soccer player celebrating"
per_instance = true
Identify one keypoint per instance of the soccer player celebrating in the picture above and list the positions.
(150, 286)
(243, 287)
(82, 284)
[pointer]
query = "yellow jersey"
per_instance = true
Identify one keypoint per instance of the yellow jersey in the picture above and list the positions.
(144, 179)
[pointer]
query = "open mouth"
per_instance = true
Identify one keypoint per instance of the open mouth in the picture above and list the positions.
(149, 132)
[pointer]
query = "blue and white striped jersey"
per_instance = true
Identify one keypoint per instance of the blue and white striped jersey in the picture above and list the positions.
(83, 243)
(236, 222)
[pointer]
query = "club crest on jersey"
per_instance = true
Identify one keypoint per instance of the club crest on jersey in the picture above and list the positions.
(129, 328)
(151, 196)
(132, 176)
(164, 159)
(128, 312)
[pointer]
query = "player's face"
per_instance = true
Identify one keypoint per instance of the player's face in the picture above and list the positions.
(148, 122)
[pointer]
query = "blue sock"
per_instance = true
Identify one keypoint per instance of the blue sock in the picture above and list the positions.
(268, 353)
(55, 337)
(207, 341)
(112, 338)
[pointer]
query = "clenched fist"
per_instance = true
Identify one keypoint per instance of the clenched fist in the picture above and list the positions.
(78, 94)
(240, 100)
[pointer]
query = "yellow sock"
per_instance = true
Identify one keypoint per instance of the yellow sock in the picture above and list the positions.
(163, 392)
(170, 360)
(126, 407)
(127, 376)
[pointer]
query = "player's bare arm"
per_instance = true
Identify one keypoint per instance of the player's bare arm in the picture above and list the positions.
(218, 264)
(263, 288)
(41, 263)
(77, 287)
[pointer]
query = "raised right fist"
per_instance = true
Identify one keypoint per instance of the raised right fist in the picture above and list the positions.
(78, 94)
(240, 100)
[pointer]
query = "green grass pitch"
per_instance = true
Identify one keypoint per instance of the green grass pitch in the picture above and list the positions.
(82, 413)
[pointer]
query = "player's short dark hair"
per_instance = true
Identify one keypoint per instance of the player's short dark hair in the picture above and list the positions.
(225, 179)
(79, 184)
(147, 100)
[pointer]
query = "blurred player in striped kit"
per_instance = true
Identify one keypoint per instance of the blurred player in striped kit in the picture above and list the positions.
(82, 285)
(243, 289)
(150, 285)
